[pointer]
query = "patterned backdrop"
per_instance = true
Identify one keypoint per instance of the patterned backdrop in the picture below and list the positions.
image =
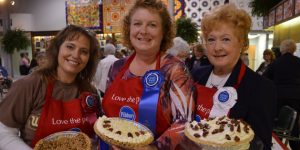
(257, 22)
(195, 9)
(86, 13)
(179, 6)
(113, 12)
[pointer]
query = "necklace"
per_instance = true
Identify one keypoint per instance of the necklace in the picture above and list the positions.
(217, 81)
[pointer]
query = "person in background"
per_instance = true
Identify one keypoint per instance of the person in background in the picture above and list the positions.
(100, 54)
(245, 58)
(269, 57)
(124, 51)
(150, 72)
(36, 105)
(119, 55)
(100, 78)
(27, 57)
(5, 78)
(180, 49)
(24, 64)
(4, 73)
(250, 97)
(33, 62)
(285, 73)
(276, 51)
(40, 60)
(198, 59)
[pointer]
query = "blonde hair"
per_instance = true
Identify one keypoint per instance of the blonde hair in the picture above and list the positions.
(228, 14)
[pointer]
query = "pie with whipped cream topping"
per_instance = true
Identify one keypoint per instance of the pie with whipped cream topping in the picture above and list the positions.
(122, 133)
(220, 133)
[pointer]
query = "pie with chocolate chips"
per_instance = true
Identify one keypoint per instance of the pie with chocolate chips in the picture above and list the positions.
(220, 133)
(122, 133)
(65, 140)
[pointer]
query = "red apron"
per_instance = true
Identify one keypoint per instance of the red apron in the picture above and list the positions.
(77, 114)
(123, 96)
(205, 96)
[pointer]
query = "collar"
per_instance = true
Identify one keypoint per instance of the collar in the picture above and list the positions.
(231, 80)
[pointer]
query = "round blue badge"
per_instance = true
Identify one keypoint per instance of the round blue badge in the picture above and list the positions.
(127, 113)
(223, 96)
(89, 100)
(75, 129)
(197, 118)
(152, 79)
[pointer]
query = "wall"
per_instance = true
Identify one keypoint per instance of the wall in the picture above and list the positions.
(287, 30)
(22, 21)
(35, 15)
(258, 41)
(48, 15)
(244, 4)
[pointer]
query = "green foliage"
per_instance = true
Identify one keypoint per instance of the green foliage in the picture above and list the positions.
(262, 7)
(186, 29)
(15, 40)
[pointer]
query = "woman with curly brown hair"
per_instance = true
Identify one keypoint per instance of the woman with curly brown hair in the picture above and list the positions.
(157, 84)
(51, 98)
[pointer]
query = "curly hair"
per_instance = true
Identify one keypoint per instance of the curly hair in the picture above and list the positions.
(71, 32)
(179, 45)
(228, 14)
(167, 24)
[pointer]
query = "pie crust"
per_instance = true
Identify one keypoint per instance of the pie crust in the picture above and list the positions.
(220, 133)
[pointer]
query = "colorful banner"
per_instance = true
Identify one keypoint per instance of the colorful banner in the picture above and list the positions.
(113, 13)
(86, 13)
(178, 8)
(195, 9)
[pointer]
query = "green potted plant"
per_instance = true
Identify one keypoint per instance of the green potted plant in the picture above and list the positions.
(186, 29)
(262, 7)
(15, 39)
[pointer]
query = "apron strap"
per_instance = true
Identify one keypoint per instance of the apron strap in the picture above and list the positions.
(130, 59)
(38, 132)
(49, 89)
(241, 75)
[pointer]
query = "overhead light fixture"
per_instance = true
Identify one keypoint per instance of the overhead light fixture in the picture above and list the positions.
(12, 3)
(292, 22)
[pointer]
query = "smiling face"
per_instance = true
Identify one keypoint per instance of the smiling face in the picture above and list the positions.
(267, 57)
(198, 53)
(223, 48)
(146, 31)
(72, 57)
